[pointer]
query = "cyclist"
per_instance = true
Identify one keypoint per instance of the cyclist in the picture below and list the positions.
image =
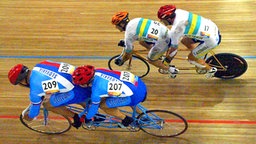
(51, 85)
(151, 34)
(110, 90)
(198, 34)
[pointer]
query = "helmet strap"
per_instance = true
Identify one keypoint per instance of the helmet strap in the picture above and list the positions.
(124, 23)
(171, 18)
(26, 80)
(25, 85)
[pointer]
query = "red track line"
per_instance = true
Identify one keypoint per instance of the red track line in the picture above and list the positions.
(8, 117)
(238, 122)
(222, 121)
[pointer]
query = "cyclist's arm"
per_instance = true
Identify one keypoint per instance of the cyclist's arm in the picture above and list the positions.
(95, 99)
(34, 110)
(129, 38)
(31, 111)
(176, 34)
(126, 54)
(171, 52)
(92, 110)
(35, 101)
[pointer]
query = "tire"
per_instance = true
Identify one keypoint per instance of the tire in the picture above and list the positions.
(162, 123)
(135, 65)
(235, 65)
(56, 124)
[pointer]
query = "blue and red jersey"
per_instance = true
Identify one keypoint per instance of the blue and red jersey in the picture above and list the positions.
(115, 84)
(49, 77)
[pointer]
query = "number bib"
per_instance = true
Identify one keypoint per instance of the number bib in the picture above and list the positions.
(115, 88)
(154, 31)
(127, 76)
(50, 86)
(66, 68)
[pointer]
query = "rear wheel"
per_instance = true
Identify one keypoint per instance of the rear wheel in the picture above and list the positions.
(234, 65)
(162, 123)
(48, 122)
(135, 65)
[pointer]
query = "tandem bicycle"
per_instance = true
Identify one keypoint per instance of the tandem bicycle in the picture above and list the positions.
(229, 65)
(157, 122)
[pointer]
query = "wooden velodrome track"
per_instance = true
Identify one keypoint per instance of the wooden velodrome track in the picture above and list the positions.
(79, 32)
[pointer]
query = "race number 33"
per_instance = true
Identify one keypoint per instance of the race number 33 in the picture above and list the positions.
(50, 86)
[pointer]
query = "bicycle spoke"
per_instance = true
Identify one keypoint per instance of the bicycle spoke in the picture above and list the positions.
(55, 123)
(162, 123)
(135, 65)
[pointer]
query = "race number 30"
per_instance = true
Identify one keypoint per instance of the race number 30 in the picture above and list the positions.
(50, 86)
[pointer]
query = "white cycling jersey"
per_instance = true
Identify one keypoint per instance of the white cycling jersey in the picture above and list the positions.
(196, 27)
(141, 29)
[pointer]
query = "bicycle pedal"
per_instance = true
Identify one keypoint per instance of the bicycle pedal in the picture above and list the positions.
(161, 71)
(132, 128)
(89, 126)
(211, 73)
(173, 76)
(201, 71)
(121, 126)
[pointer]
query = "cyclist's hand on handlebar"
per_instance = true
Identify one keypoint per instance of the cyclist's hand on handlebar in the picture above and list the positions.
(87, 120)
(84, 119)
(25, 114)
(119, 61)
(26, 117)
(122, 58)
(121, 43)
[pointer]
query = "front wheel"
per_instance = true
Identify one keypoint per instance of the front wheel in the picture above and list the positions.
(234, 65)
(48, 122)
(135, 65)
(162, 123)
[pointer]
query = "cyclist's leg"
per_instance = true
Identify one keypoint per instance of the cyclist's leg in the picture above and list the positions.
(57, 102)
(140, 95)
(110, 106)
(194, 46)
(189, 43)
(197, 54)
(153, 57)
(50, 103)
(147, 45)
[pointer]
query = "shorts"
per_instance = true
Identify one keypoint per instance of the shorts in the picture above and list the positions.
(139, 95)
(77, 95)
(158, 49)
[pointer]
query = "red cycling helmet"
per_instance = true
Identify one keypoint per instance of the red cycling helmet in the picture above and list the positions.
(166, 11)
(83, 75)
(18, 73)
(120, 17)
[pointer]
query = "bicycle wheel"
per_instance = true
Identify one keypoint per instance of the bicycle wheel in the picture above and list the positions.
(48, 122)
(162, 123)
(235, 65)
(135, 65)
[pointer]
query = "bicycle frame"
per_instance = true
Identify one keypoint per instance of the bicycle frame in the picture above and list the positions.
(149, 121)
(111, 120)
(228, 65)
(139, 53)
